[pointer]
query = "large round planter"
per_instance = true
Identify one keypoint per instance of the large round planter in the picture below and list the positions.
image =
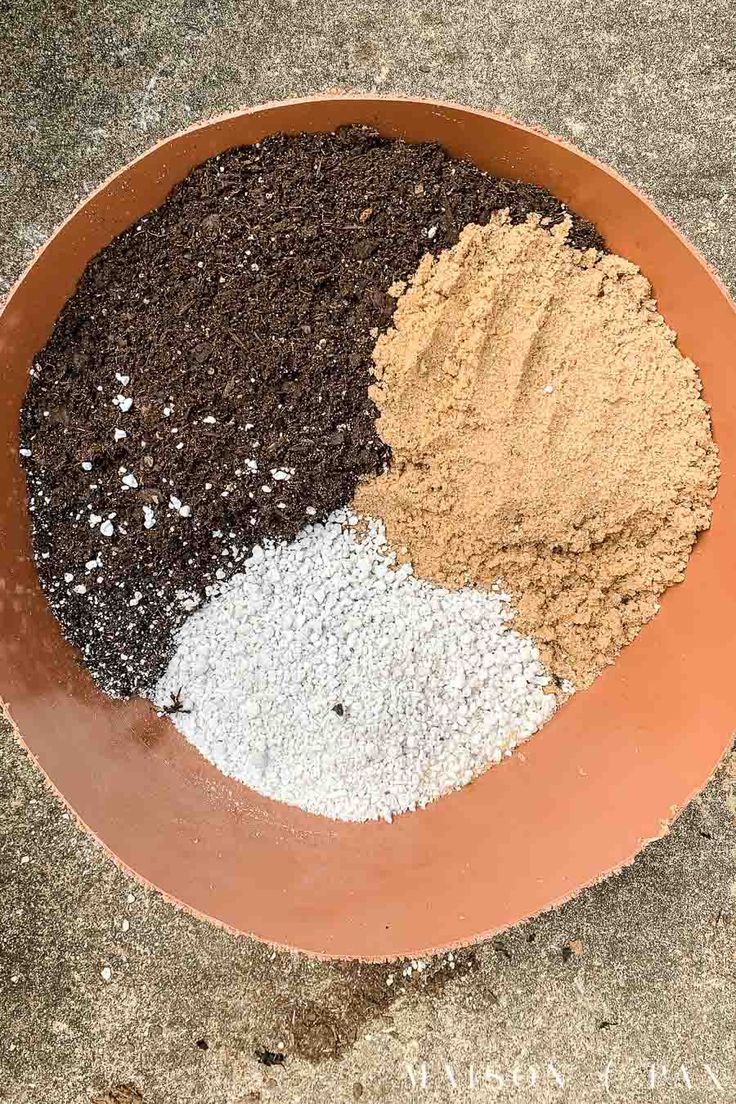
(575, 803)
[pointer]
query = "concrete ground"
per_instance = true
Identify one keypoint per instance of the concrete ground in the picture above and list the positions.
(627, 993)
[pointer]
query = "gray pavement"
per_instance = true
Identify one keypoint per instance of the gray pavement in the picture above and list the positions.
(647, 981)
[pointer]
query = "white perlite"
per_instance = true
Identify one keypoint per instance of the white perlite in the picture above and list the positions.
(323, 677)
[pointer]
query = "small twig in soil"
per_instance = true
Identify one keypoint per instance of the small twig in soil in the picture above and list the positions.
(176, 705)
(236, 339)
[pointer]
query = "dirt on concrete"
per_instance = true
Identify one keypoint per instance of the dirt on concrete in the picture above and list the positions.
(121, 1094)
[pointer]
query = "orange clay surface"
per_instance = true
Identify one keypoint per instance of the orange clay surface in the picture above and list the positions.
(606, 775)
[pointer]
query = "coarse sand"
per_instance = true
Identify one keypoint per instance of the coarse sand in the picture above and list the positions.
(546, 432)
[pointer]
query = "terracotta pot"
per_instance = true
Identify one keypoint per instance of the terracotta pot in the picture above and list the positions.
(578, 801)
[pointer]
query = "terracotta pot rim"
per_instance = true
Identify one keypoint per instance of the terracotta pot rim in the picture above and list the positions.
(348, 95)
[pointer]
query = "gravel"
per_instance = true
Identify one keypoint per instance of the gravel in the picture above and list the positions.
(324, 676)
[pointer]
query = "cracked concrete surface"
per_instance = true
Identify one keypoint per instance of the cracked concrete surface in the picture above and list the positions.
(633, 976)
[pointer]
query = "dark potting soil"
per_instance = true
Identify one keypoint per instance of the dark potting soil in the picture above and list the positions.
(206, 387)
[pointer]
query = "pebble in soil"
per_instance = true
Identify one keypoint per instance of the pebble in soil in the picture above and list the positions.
(206, 386)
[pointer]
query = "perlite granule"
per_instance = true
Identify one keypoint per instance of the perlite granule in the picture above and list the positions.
(323, 676)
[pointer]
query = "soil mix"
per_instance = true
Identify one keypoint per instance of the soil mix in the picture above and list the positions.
(206, 387)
